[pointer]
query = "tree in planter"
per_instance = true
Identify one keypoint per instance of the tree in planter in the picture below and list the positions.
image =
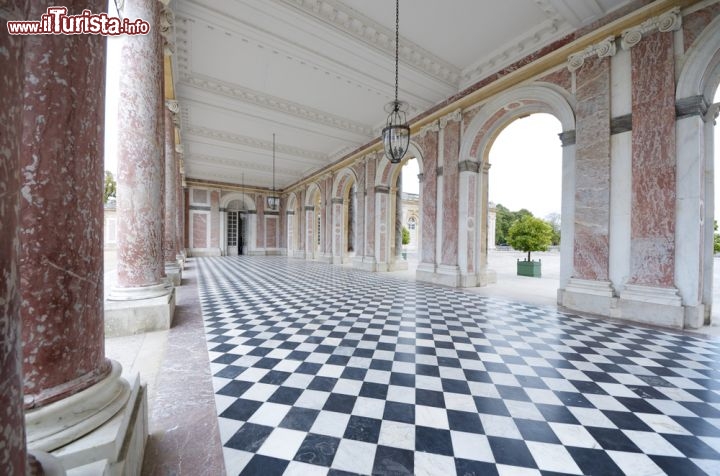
(530, 234)
(405, 236)
(110, 186)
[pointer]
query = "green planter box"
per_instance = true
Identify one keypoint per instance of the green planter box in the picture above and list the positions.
(529, 268)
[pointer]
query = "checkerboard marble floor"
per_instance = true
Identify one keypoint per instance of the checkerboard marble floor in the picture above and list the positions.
(320, 369)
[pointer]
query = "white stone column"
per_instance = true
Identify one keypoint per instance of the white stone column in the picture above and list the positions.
(170, 247)
(382, 226)
(620, 168)
(691, 254)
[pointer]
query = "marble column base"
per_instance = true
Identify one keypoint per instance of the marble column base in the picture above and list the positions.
(51, 466)
(59, 423)
(117, 447)
(593, 297)
(365, 263)
(398, 265)
(298, 254)
(173, 273)
(204, 252)
(656, 306)
(180, 258)
(446, 275)
(485, 277)
(137, 316)
(325, 258)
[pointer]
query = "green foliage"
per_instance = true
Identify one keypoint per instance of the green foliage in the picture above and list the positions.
(530, 234)
(110, 186)
(504, 219)
(553, 220)
(716, 239)
(405, 236)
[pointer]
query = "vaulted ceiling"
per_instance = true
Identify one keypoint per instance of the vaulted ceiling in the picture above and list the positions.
(318, 73)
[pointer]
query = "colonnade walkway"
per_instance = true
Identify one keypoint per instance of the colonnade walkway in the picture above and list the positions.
(306, 368)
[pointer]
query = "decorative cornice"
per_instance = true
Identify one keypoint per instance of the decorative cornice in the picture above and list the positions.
(567, 138)
(275, 103)
(602, 49)
(253, 142)
(242, 165)
(372, 33)
(668, 21)
(523, 46)
(468, 166)
(621, 124)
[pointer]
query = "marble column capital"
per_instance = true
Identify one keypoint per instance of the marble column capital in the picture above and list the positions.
(601, 49)
(167, 28)
(455, 116)
(668, 21)
(432, 127)
(468, 166)
(567, 138)
(486, 167)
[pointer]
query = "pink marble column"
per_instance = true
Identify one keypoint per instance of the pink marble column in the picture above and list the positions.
(428, 183)
(13, 455)
(592, 162)
(61, 213)
(359, 242)
(260, 206)
(451, 145)
(179, 213)
(141, 168)
(170, 247)
(653, 161)
(397, 221)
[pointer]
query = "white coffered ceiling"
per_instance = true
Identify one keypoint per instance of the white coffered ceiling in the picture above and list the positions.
(318, 73)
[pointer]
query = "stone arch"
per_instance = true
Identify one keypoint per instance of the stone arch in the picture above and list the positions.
(386, 171)
(245, 199)
(312, 189)
(313, 233)
(477, 140)
(343, 229)
(508, 106)
(697, 83)
(387, 229)
(342, 180)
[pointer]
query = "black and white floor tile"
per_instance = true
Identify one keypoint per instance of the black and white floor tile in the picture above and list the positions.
(323, 370)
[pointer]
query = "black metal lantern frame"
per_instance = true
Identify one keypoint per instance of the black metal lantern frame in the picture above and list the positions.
(396, 133)
(273, 201)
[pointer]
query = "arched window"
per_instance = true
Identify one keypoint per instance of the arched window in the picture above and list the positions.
(412, 223)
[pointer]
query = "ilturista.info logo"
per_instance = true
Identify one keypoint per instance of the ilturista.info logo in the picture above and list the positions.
(57, 22)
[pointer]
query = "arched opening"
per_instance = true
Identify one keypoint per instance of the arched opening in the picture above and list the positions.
(403, 199)
(344, 226)
(292, 225)
(313, 222)
(409, 213)
(525, 179)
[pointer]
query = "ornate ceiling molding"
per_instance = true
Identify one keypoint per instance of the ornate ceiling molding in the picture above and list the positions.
(602, 49)
(525, 45)
(253, 142)
(214, 160)
(372, 33)
(668, 21)
(275, 103)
